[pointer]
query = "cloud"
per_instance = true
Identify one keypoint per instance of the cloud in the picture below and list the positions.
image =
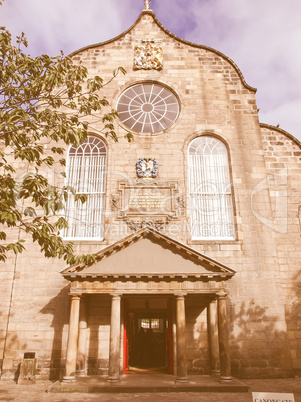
(262, 37)
(264, 40)
(286, 115)
(55, 25)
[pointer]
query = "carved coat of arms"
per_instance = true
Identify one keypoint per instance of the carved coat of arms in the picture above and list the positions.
(148, 55)
(147, 168)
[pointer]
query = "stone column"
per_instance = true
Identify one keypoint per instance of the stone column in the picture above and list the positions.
(181, 340)
(72, 340)
(81, 369)
(213, 338)
(224, 348)
(114, 356)
(174, 337)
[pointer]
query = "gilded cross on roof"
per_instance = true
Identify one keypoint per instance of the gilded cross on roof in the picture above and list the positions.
(147, 4)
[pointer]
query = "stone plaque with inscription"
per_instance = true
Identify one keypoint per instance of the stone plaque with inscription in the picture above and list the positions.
(148, 203)
(149, 200)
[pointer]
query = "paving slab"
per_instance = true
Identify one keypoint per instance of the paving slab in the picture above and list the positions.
(10, 391)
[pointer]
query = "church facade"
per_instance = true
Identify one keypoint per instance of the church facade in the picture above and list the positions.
(196, 225)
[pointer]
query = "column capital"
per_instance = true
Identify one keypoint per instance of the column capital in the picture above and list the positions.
(180, 294)
(116, 295)
(75, 296)
(221, 294)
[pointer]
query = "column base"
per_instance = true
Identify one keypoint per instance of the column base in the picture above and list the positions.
(113, 380)
(215, 372)
(69, 379)
(80, 373)
(182, 380)
(225, 379)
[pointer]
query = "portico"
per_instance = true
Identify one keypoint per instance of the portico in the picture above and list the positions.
(148, 274)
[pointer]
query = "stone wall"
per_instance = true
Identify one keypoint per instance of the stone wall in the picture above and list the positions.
(264, 303)
(283, 157)
(197, 347)
(98, 334)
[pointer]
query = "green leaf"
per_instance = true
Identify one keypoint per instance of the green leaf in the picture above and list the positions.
(46, 105)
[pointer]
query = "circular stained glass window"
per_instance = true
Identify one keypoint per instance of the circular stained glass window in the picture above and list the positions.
(148, 108)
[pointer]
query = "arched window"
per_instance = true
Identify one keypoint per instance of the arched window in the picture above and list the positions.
(86, 172)
(211, 205)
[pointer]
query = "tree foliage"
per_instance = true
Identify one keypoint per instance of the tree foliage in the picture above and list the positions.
(46, 103)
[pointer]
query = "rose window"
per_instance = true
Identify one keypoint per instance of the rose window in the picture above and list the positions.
(148, 108)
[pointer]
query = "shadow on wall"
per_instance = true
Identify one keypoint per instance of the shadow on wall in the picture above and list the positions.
(10, 347)
(197, 347)
(259, 345)
(98, 316)
(98, 324)
(59, 307)
(293, 319)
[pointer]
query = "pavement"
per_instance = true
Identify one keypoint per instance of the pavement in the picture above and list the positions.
(154, 382)
(10, 391)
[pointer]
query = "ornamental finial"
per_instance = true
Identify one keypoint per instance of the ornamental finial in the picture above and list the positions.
(147, 4)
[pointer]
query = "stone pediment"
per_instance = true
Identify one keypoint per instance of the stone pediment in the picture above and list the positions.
(149, 253)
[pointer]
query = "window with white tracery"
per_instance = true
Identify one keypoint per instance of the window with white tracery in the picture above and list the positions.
(148, 108)
(211, 205)
(86, 173)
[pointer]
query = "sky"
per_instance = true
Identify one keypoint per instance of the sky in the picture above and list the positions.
(263, 37)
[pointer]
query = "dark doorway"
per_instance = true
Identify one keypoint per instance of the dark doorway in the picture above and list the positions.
(147, 347)
(147, 338)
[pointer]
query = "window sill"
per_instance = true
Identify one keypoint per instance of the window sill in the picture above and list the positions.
(85, 241)
(216, 241)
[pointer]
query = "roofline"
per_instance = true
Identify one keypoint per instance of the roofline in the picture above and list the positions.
(150, 12)
(281, 131)
(145, 230)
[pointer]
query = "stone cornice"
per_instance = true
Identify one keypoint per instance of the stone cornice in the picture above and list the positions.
(281, 131)
(184, 276)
